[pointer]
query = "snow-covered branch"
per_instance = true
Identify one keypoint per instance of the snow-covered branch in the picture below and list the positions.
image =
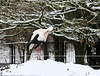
(6, 36)
(93, 5)
(70, 19)
(9, 28)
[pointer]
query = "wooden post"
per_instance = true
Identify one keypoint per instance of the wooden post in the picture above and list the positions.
(61, 50)
(45, 51)
(14, 54)
(11, 53)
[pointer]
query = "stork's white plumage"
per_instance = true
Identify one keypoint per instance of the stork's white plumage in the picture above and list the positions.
(38, 36)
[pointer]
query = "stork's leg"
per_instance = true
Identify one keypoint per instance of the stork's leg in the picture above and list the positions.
(38, 54)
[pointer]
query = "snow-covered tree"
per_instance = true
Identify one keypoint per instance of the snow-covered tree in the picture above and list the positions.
(72, 20)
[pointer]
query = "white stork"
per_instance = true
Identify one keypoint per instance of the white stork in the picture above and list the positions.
(37, 38)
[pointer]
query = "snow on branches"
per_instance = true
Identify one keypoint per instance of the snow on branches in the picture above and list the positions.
(72, 20)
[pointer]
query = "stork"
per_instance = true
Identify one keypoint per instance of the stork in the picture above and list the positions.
(37, 38)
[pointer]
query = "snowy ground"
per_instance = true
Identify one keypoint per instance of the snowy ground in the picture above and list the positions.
(49, 68)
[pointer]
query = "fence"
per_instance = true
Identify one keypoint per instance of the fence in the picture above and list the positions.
(94, 63)
(16, 54)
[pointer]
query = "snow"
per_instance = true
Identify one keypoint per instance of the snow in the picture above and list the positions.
(92, 7)
(49, 68)
(95, 8)
(88, 4)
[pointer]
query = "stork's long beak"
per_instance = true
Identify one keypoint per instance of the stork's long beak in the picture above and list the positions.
(46, 32)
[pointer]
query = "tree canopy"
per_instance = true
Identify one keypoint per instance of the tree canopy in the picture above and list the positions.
(73, 20)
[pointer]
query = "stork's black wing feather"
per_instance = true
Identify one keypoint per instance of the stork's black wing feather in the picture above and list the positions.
(28, 44)
(34, 41)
